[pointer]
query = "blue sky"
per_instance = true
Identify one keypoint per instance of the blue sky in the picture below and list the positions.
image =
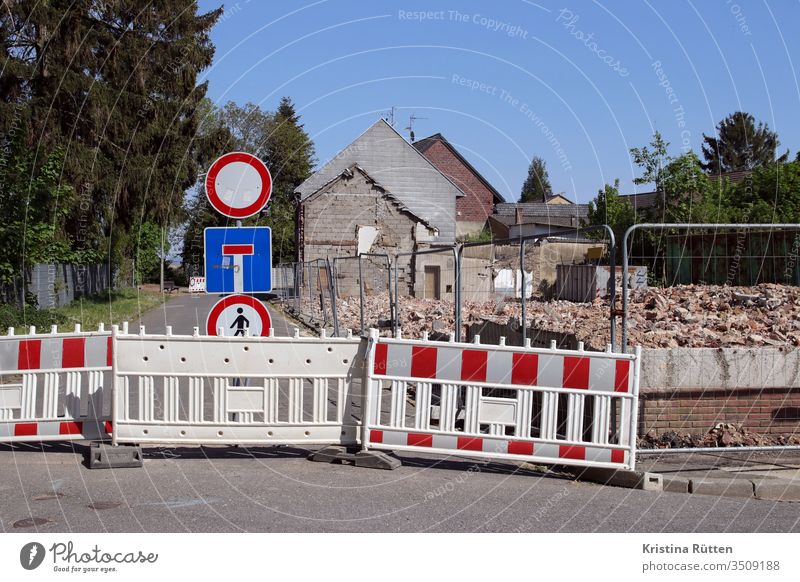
(577, 83)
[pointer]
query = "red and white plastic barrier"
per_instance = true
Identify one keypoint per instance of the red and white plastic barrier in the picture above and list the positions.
(235, 390)
(55, 386)
(547, 405)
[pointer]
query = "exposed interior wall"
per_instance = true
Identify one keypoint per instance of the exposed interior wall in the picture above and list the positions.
(333, 219)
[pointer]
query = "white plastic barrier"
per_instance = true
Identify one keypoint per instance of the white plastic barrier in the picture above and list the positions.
(236, 390)
(537, 405)
(55, 386)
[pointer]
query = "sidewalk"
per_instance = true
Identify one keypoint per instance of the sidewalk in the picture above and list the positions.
(773, 475)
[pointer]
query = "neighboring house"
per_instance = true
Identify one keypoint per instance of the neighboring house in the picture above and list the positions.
(558, 199)
(512, 220)
(378, 195)
(473, 209)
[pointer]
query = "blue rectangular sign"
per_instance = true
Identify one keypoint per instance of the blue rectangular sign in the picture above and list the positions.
(238, 260)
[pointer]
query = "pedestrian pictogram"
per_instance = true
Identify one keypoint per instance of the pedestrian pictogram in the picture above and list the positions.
(241, 322)
(238, 260)
(238, 316)
(238, 185)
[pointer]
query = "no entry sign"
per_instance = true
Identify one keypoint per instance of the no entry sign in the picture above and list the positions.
(238, 315)
(238, 185)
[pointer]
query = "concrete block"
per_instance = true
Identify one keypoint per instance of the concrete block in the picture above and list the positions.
(777, 489)
(676, 484)
(620, 478)
(722, 487)
(105, 456)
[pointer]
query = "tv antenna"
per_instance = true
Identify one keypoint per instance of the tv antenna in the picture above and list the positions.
(388, 116)
(410, 127)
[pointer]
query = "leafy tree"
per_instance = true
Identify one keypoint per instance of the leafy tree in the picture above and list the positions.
(144, 247)
(537, 185)
(34, 205)
(740, 145)
(770, 194)
(610, 208)
(653, 161)
(689, 194)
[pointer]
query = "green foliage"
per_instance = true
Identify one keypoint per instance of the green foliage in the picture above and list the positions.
(610, 208)
(10, 316)
(104, 96)
(144, 247)
(537, 185)
(740, 145)
(35, 206)
(483, 235)
(652, 160)
(770, 194)
(689, 194)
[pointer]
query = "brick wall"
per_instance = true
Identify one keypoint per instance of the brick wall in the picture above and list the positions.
(692, 389)
(476, 205)
(763, 410)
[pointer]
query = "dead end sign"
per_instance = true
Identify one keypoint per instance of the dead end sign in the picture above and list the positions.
(238, 185)
(238, 315)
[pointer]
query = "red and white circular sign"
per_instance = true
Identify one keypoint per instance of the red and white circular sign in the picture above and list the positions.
(239, 315)
(238, 185)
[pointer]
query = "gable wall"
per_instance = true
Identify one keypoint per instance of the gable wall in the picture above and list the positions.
(476, 206)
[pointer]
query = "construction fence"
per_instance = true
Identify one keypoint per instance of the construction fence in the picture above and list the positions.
(566, 288)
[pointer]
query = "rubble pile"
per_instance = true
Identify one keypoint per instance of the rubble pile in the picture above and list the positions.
(721, 435)
(680, 316)
(716, 316)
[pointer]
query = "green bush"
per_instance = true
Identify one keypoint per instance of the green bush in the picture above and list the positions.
(11, 316)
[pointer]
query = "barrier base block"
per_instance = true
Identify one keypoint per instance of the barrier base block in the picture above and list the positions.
(359, 458)
(620, 478)
(105, 456)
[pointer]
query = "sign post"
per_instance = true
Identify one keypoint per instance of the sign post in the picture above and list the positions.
(238, 316)
(238, 259)
(238, 185)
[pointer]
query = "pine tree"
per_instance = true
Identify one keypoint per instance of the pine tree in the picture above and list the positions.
(740, 145)
(114, 84)
(537, 185)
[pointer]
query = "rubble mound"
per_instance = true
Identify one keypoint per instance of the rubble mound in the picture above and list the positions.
(721, 435)
(709, 316)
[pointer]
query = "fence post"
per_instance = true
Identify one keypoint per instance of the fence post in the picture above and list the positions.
(361, 293)
(458, 250)
(396, 300)
(523, 294)
(332, 290)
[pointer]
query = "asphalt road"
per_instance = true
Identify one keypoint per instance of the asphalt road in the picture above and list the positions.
(224, 489)
(278, 490)
(186, 311)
